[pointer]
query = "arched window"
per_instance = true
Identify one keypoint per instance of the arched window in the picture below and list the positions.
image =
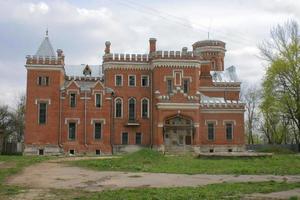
(131, 109)
(118, 107)
(145, 108)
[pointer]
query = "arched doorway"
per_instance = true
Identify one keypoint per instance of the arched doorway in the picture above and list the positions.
(178, 131)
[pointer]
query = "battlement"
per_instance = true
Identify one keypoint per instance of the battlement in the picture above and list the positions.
(44, 60)
(184, 54)
(125, 57)
(209, 43)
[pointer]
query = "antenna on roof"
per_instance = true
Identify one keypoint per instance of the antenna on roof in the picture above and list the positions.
(208, 32)
(47, 31)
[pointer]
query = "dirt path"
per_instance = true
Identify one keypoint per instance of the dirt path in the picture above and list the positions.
(53, 174)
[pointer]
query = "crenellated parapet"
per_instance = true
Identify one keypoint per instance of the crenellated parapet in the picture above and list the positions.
(121, 57)
(44, 60)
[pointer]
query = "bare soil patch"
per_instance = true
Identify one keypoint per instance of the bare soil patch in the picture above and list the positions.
(54, 174)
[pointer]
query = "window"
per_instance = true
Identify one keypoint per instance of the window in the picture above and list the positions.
(72, 152)
(145, 108)
(97, 130)
(72, 100)
(229, 131)
(138, 138)
(42, 113)
(169, 85)
(131, 109)
(118, 80)
(145, 81)
(118, 107)
(41, 152)
(98, 100)
(185, 86)
(43, 80)
(72, 130)
(210, 131)
(98, 152)
(125, 138)
(131, 80)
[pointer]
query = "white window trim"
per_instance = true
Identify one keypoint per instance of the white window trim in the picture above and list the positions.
(147, 81)
(71, 98)
(233, 125)
(71, 121)
(98, 93)
(211, 121)
(38, 104)
(180, 77)
(122, 107)
(101, 132)
(129, 80)
(135, 116)
(147, 108)
(121, 80)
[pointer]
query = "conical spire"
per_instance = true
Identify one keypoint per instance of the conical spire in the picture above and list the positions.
(45, 48)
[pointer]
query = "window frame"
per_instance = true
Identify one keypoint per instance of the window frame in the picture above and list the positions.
(141, 138)
(148, 80)
(122, 142)
(115, 111)
(129, 111)
(39, 113)
(101, 129)
(131, 75)
(100, 105)
(43, 80)
(75, 133)
(187, 86)
(75, 100)
(142, 108)
(226, 133)
(171, 87)
(120, 75)
(213, 133)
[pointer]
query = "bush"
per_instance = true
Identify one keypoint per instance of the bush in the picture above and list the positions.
(276, 150)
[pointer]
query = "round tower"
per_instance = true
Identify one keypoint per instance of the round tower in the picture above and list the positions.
(213, 50)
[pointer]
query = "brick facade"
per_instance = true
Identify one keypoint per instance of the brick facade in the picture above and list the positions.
(165, 99)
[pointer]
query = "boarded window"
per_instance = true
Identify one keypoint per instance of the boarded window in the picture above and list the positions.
(131, 108)
(169, 85)
(118, 108)
(145, 106)
(186, 86)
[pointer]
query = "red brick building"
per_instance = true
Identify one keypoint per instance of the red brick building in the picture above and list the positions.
(167, 100)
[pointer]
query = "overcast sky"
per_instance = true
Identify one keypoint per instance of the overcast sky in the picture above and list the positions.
(81, 28)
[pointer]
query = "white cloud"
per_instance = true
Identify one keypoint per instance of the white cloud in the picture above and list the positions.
(40, 7)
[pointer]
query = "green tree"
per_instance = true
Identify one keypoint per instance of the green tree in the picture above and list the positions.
(281, 84)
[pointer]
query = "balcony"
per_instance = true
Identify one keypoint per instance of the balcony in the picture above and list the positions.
(132, 122)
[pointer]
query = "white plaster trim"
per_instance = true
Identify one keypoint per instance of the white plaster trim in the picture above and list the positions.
(229, 121)
(176, 106)
(129, 75)
(216, 111)
(211, 121)
(72, 119)
(87, 98)
(98, 81)
(126, 65)
(219, 89)
(73, 91)
(102, 120)
(42, 100)
(196, 125)
(121, 80)
(160, 125)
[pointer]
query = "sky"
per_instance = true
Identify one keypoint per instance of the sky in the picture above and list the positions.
(81, 28)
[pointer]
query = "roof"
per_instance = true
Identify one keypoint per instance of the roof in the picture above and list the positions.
(229, 75)
(77, 70)
(45, 48)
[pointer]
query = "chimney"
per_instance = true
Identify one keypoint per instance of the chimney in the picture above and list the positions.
(107, 47)
(152, 45)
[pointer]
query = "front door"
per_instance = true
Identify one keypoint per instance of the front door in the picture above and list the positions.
(188, 140)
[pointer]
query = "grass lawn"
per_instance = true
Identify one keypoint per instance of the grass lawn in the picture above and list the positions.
(213, 191)
(147, 160)
(10, 165)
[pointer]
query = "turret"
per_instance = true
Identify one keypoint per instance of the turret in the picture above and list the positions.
(213, 50)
